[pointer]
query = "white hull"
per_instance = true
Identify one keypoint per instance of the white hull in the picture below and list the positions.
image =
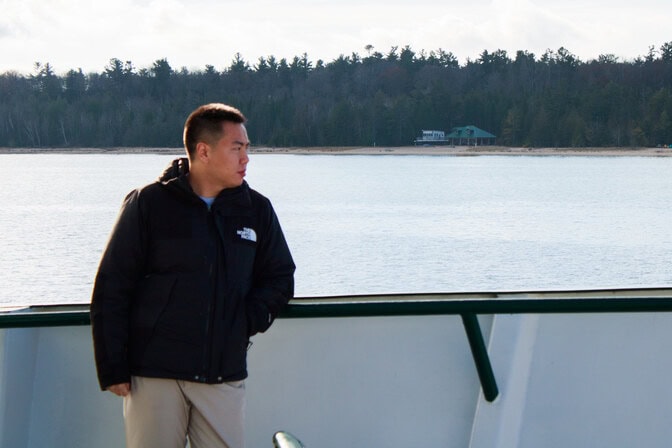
(565, 380)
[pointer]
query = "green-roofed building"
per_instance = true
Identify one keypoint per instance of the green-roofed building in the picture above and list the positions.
(470, 136)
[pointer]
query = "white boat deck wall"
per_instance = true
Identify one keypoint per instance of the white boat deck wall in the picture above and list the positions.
(361, 382)
(579, 380)
(512, 343)
(364, 382)
(17, 365)
(49, 395)
(599, 380)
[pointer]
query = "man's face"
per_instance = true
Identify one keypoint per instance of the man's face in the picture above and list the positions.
(227, 158)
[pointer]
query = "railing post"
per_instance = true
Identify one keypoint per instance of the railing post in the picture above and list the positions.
(481, 358)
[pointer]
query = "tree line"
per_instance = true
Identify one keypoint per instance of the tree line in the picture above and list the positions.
(386, 99)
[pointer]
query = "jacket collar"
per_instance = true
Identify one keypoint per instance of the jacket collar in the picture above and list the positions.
(233, 201)
(230, 201)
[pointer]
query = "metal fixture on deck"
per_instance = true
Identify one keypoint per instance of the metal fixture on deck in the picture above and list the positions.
(283, 439)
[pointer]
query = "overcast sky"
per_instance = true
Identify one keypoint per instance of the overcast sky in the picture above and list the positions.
(73, 34)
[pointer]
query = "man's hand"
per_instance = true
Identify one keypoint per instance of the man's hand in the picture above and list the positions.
(122, 389)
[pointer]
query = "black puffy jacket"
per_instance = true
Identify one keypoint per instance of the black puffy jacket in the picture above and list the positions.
(181, 288)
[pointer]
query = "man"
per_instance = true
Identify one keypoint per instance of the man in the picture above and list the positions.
(196, 264)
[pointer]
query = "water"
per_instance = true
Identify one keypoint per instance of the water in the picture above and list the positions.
(369, 224)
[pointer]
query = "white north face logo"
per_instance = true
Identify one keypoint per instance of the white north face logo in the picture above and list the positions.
(247, 234)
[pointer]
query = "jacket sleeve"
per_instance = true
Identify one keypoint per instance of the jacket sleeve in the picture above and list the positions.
(273, 280)
(121, 266)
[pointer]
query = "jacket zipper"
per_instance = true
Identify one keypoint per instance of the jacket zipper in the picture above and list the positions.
(207, 348)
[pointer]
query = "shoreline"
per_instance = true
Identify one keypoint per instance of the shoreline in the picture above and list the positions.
(372, 150)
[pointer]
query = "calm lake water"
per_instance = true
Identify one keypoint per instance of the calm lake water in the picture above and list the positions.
(369, 224)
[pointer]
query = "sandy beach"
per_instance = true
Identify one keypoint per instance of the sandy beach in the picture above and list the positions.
(371, 150)
(473, 151)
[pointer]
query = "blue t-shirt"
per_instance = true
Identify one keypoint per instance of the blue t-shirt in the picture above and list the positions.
(208, 201)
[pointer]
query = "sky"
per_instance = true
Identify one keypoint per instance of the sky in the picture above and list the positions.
(73, 34)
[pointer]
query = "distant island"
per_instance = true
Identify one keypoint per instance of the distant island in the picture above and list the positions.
(383, 100)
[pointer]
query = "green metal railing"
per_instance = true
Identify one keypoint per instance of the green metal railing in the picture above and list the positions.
(467, 305)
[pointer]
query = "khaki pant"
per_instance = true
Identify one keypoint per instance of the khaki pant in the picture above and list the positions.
(161, 413)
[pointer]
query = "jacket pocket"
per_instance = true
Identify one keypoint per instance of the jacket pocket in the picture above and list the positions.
(153, 296)
(149, 304)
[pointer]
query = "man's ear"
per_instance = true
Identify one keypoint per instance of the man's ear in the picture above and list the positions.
(202, 151)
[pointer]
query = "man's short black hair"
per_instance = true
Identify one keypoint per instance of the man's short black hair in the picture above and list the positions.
(205, 124)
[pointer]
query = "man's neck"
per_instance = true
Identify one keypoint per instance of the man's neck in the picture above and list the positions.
(202, 187)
